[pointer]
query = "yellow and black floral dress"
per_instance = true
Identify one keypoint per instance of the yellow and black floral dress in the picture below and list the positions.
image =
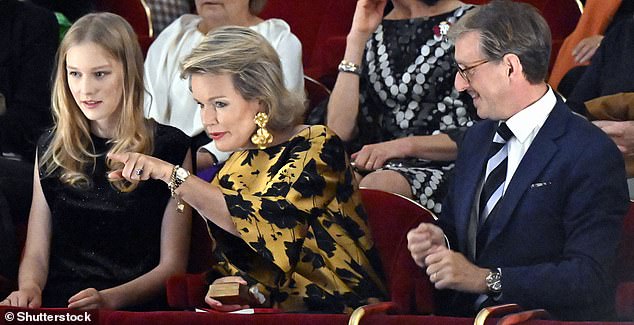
(304, 240)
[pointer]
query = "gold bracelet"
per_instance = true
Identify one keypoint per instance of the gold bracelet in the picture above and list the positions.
(172, 183)
(349, 67)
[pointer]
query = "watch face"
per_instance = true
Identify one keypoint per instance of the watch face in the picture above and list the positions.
(494, 282)
(182, 173)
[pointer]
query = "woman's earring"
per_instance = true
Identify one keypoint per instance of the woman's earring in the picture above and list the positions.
(262, 136)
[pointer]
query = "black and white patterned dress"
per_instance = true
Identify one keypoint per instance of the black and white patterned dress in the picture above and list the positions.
(406, 90)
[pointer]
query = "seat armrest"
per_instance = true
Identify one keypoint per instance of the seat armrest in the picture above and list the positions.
(495, 311)
(371, 309)
(625, 300)
(186, 291)
(523, 316)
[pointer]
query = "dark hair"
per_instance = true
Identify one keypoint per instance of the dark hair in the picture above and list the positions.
(510, 27)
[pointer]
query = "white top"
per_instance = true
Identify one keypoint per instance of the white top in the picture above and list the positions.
(168, 99)
(525, 125)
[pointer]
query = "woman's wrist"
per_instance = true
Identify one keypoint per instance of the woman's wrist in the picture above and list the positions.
(110, 299)
(406, 146)
(166, 173)
(355, 45)
(32, 287)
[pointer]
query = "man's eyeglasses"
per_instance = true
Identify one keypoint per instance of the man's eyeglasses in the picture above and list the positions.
(464, 72)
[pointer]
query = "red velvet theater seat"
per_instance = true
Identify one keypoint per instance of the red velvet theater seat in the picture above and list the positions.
(316, 92)
(330, 44)
(390, 217)
(137, 13)
(321, 26)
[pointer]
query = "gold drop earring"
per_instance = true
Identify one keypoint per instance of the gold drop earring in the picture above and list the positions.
(262, 136)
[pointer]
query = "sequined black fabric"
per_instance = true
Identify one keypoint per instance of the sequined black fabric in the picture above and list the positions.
(407, 89)
(101, 237)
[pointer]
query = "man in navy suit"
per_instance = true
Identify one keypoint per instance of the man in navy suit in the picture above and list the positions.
(535, 211)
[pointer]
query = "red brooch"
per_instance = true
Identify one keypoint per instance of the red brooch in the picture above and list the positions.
(441, 30)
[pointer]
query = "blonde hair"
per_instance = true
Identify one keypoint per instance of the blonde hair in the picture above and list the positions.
(256, 6)
(71, 148)
(254, 67)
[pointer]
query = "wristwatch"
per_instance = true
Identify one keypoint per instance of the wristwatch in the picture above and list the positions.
(346, 66)
(181, 176)
(494, 282)
(178, 177)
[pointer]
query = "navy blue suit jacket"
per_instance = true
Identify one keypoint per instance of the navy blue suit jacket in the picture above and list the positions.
(556, 231)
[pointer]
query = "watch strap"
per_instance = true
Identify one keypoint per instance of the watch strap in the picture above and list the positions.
(174, 183)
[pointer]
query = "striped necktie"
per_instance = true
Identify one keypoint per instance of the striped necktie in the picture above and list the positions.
(495, 174)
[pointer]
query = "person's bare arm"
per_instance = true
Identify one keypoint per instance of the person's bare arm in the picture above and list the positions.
(343, 105)
(431, 147)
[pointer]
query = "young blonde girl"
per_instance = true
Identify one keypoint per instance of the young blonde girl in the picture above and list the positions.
(94, 242)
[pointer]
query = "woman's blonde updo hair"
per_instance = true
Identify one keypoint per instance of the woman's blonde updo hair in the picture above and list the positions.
(71, 148)
(255, 69)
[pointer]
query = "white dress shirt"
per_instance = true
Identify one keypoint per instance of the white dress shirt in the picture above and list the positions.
(525, 125)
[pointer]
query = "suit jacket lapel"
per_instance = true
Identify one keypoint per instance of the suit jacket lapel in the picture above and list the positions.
(534, 161)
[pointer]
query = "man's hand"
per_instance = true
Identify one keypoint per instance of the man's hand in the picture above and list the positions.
(422, 240)
(621, 132)
(451, 270)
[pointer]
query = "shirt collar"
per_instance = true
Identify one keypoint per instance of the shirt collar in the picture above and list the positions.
(532, 117)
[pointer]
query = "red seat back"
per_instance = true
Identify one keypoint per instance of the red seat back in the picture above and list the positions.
(137, 13)
(390, 217)
(321, 27)
(316, 92)
(303, 16)
(330, 43)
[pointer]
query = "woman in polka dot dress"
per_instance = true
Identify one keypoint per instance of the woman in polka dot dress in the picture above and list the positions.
(394, 101)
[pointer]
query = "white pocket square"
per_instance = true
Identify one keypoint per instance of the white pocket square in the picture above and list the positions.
(540, 184)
